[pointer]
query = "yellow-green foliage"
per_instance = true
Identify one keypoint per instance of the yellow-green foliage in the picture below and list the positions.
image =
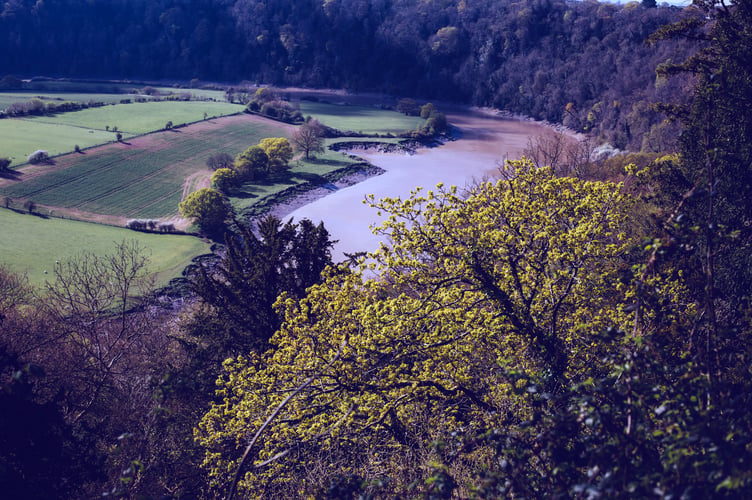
(475, 292)
(207, 206)
(278, 149)
(224, 178)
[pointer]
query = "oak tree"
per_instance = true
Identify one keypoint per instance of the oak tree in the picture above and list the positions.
(473, 294)
(208, 206)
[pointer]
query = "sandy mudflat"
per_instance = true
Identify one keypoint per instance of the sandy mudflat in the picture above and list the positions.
(486, 140)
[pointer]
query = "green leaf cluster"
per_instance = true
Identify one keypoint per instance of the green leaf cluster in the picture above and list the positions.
(477, 295)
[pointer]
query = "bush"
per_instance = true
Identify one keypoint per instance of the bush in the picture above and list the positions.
(208, 206)
(38, 156)
(225, 179)
(219, 160)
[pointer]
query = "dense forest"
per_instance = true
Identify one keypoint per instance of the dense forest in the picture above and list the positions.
(534, 336)
(585, 64)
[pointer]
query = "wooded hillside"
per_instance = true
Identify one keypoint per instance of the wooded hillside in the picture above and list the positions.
(585, 64)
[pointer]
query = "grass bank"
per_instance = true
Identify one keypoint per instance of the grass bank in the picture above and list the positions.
(32, 244)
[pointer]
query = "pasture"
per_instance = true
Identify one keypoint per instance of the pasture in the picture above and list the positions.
(20, 138)
(360, 119)
(141, 117)
(142, 178)
(59, 134)
(32, 244)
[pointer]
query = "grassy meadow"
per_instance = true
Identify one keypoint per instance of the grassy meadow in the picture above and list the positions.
(20, 138)
(59, 134)
(360, 119)
(32, 244)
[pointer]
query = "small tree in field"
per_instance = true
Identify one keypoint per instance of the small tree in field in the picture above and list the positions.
(4, 164)
(224, 179)
(309, 138)
(219, 160)
(279, 151)
(207, 206)
(38, 156)
(408, 107)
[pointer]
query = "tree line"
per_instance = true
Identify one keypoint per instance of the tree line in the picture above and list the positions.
(584, 64)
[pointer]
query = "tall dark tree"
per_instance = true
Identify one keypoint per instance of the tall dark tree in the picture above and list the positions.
(716, 149)
(259, 264)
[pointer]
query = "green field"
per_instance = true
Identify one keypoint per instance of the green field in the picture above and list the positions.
(20, 138)
(32, 244)
(141, 117)
(361, 119)
(143, 179)
(8, 98)
(59, 134)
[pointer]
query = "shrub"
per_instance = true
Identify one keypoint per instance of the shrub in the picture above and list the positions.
(224, 179)
(38, 156)
(219, 160)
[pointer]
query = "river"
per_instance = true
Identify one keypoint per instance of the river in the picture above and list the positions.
(485, 141)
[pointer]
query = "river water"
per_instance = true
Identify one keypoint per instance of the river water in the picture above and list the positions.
(485, 141)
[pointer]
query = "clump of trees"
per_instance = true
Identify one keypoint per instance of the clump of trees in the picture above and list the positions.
(267, 102)
(269, 157)
(435, 121)
(150, 225)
